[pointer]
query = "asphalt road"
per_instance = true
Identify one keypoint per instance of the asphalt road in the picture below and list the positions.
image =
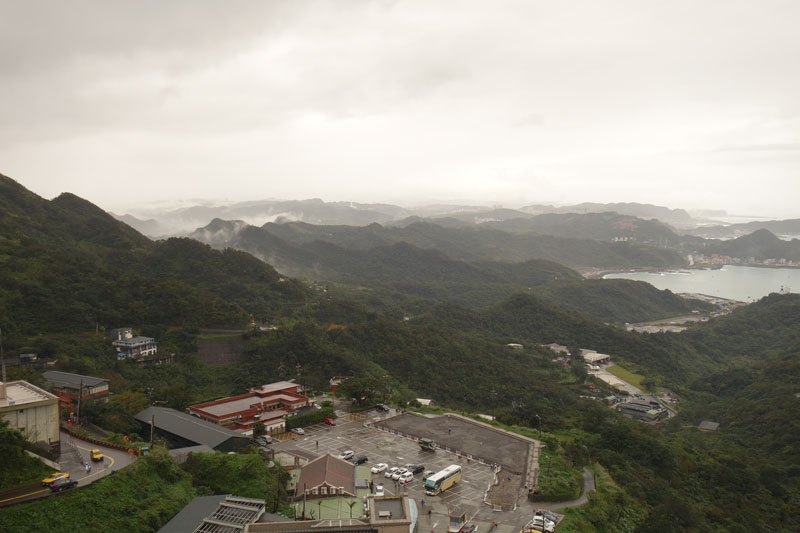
(74, 456)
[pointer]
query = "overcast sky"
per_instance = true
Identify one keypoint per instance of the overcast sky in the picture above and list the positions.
(680, 103)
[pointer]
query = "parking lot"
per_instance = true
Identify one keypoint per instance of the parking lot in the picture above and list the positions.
(383, 447)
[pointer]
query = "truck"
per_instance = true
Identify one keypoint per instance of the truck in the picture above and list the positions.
(427, 445)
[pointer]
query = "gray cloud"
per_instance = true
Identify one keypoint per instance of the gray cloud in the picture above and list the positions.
(531, 102)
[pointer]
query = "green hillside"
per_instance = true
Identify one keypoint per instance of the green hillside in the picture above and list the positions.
(67, 265)
(618, 300)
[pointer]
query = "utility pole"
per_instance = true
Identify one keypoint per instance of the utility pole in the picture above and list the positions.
(80, 397)
(494, 398)
(3, 364)
(152, 427)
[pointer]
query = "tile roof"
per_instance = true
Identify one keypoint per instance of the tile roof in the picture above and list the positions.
(329, 470)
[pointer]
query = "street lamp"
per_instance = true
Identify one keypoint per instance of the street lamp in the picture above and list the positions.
(540, 426)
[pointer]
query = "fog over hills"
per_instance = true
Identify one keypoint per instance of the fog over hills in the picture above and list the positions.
(159, 223)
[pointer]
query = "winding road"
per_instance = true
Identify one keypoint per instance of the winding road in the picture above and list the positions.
(74, 457)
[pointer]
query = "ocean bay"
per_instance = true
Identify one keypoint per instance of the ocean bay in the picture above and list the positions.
(742, 283)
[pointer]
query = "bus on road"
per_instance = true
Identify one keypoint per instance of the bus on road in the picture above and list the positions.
(442, 480)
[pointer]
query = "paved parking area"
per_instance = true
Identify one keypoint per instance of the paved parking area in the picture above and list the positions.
(383, 447)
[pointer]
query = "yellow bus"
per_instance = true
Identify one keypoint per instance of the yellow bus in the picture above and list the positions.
(442, 480)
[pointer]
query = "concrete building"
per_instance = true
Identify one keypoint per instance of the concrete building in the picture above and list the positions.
(73, 389)
(31, 410)
(129, 346)
(268, 404)
(591, 357)
(708, 425)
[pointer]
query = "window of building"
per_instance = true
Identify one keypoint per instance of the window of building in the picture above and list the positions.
(324, 490)
(314, 491)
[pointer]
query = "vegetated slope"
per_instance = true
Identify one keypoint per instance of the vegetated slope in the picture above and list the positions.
(769, 325)
(618, 300)
(531, 320)
(596, 226)
(66, 264)
(761, 244)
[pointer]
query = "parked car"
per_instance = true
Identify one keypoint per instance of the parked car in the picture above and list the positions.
(346, 455)
(399, 472)
(427, 474)
(63, 484)
(390, 471)
(96, 455)
(468, 528)
(330, 421)
(381, 407)
(416, 469)
(299, 431)
(359, 460)
(406, 477)
(379, 490)
(263, 440)
(378, 468)
(55, 476)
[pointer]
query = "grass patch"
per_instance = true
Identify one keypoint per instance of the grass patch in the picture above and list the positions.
(559, 481)
(219, 336)
(627, 375)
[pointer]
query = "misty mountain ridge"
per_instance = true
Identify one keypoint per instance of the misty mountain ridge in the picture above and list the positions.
(182, 221)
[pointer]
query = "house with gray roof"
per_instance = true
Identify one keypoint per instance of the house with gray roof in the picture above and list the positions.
(183, 430)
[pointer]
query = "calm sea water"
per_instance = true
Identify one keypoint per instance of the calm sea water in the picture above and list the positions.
(733, 282)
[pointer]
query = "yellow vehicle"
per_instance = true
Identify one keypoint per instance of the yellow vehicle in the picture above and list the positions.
(55, 476)
(96, 455)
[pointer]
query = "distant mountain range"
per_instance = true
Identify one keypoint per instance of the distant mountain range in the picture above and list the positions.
(315, 211)
(333, 251)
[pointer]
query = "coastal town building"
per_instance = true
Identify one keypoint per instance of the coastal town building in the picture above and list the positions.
(268, 404)
(182, 430)
(592, 357)
(75, 389)
(31, 410)
(129, 346)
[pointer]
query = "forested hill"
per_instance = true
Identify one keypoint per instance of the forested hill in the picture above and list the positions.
(471, 244)
(66, 265)
(619, 300)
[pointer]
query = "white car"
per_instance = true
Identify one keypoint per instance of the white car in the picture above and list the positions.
(390, 472)
(379, 490)
(346, 455)
(405, 478)
(298, 431)
(378, 468)
(399, 472)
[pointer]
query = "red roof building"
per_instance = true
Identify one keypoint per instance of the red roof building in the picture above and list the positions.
(268, 404)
